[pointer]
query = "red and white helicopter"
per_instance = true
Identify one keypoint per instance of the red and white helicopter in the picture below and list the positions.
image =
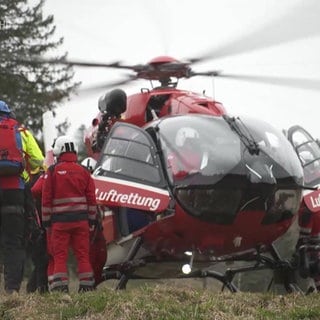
(192, 181)
(182, 185)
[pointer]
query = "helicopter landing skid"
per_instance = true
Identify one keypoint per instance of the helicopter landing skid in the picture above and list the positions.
(128, 266)
(284, 270)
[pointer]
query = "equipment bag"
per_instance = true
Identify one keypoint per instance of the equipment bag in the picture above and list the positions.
(11, 152)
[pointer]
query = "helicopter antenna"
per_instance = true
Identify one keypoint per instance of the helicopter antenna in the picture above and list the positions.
(154, 115)
(213, 87)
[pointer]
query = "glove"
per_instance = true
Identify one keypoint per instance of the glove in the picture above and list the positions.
(92, 225)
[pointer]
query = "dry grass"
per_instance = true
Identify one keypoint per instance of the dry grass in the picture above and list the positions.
(159, 302)
(163, 300)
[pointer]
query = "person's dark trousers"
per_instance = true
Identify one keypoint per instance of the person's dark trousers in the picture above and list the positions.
(37, 246)
(13, 237)
(38, 280)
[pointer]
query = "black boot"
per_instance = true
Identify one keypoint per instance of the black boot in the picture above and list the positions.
(83, 288)
(63, 289)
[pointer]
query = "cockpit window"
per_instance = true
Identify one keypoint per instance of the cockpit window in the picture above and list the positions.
(129, 153)
(199, 145)
(209, 148)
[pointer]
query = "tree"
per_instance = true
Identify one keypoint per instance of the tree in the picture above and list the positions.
(30, 87)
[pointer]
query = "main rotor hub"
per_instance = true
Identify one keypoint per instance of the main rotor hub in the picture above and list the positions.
(162, 68)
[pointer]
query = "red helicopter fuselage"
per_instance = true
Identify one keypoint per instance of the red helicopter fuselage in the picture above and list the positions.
(247, 192)
(180, 233)
(263, 204)
(176, 173)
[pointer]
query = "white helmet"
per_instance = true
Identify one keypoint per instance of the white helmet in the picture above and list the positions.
(89, 163)
(186, 133)
(64, 144)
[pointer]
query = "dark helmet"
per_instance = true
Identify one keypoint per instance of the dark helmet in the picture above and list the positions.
(4, 108)
(113, 102)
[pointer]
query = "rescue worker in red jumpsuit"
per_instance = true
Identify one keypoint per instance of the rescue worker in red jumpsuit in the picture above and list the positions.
(69, 209)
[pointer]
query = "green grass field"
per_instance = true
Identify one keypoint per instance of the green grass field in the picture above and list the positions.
(160, 302)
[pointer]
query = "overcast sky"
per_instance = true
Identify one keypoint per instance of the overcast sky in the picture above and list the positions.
(287, 33)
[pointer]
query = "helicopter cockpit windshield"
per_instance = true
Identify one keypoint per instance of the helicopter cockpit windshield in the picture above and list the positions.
(211, 161)
(208, 148)
(198, 147)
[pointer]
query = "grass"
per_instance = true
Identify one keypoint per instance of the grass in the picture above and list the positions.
(160, 302)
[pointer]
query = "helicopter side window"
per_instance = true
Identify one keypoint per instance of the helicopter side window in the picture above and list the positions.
(310, 159)
(299, 138)
(132, 150)
(155, 104)
(129, 153)
(131, 159)
(308, 151)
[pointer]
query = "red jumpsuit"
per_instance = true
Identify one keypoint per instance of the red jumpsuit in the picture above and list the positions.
(309, 223)
(68, 204)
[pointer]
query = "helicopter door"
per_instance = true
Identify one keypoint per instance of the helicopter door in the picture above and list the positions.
(129, 178)
(308, 151)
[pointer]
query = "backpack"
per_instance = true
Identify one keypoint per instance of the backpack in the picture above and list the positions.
(11, 151)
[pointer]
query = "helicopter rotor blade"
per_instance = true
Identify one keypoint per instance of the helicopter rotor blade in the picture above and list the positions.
(213, 73)
(300, 22)
(81, 63)
(108, 85)
(63, 61)
(301, 83)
